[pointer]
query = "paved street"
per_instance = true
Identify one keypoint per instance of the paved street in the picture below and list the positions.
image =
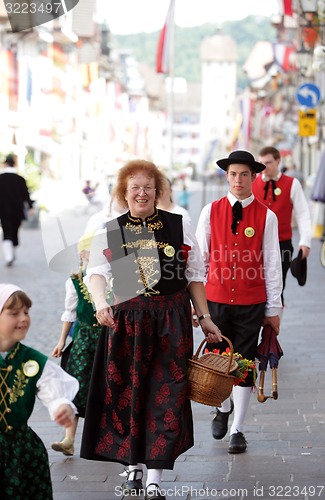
(286, 439)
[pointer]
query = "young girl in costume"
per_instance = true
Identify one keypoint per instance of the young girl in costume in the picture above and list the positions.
(24, 374)
(79, 356)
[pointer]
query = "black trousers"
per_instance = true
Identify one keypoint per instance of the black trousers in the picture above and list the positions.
(286, 250)
(10, 229)
(241, 325)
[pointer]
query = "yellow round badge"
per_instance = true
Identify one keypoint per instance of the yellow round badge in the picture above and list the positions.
(249, 232)
(31, 368)
(277, 191)
(169, 251)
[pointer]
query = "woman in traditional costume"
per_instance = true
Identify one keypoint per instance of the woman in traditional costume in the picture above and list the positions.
(137, 410)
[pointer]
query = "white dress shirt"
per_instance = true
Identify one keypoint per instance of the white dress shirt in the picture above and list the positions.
(270, 248)
(301, 211)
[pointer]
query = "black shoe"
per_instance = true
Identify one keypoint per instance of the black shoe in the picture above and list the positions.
(220, 422)
(133, 486)
(154, 494)
(237, 443)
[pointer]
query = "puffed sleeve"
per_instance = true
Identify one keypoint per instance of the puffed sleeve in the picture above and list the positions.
(70, 302)
(56, 387)
(97, 261)
(195, 270)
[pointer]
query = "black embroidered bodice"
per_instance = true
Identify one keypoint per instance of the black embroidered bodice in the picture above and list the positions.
(147, 258)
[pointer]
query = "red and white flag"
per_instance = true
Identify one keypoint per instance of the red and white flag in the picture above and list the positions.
(164, 42)
(284, 56)
(285, 7)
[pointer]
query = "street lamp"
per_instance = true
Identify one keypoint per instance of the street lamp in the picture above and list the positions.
(303, 61)
(309, 7)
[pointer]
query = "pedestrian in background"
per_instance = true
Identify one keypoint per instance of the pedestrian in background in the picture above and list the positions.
(24, 374)
(137, 410)
(238, 237)
(318, 197)
(166, 201)
(14, 202)
(79, 355)
(284, 195)
(184, 197)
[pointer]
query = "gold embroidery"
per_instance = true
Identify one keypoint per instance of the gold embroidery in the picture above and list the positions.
(147, 271)
(14, 352)
(154, 226)
(133, 227)
(137, 226)
(18, 389)
(145, 244)
(4, 390)
(134, 220)
(84, 290)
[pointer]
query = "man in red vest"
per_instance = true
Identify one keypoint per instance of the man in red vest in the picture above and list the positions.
(238, 237)
(283, 194)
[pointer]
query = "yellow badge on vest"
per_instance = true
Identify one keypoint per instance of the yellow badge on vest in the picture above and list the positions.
(249, 232)
(277, 191)
(169, 251)
(31, 368)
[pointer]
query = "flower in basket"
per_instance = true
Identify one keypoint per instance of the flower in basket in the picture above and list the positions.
(244, 365)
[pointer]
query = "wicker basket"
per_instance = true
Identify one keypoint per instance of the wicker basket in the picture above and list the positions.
(208, 377)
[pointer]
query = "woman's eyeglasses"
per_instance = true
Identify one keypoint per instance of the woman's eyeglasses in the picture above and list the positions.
(137, 189)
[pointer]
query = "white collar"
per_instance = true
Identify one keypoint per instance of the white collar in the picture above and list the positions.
(232, 200)
(9, 170)
(276, 178)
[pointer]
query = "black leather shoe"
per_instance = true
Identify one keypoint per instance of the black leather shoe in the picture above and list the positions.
(220, 422)
(133, 486)
(154, 494)
(237, 443)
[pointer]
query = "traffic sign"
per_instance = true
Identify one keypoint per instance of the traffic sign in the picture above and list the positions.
(308, 95)
(307, 123)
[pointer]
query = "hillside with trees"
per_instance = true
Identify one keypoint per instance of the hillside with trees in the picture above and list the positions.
(245, 32)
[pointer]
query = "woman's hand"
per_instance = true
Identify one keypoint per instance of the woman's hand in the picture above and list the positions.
(57, 351)
(211, 331)
(195, 319)
(64, 415)
(105, 317)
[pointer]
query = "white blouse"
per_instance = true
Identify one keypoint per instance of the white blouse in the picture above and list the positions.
(70, 302)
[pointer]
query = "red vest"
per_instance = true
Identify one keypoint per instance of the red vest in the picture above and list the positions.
(236, 274)
(282, 206)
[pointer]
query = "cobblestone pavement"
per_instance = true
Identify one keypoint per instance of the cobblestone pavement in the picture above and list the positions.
(286, 439)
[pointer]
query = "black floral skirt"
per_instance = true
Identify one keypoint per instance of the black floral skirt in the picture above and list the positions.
(137, 410)
(24, 466)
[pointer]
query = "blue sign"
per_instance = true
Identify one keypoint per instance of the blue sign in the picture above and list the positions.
(308, 95)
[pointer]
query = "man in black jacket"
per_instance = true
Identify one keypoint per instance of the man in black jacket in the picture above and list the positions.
(14, 199)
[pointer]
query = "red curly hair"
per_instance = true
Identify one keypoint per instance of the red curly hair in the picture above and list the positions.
(132, 168)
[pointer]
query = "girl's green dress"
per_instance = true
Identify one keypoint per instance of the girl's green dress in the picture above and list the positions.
(81, 354)
(24, 464)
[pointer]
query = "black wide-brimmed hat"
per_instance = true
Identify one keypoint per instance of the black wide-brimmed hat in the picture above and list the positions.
(243, 157)
(299, 268)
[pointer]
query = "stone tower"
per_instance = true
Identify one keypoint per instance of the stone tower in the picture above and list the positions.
(219, 88)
